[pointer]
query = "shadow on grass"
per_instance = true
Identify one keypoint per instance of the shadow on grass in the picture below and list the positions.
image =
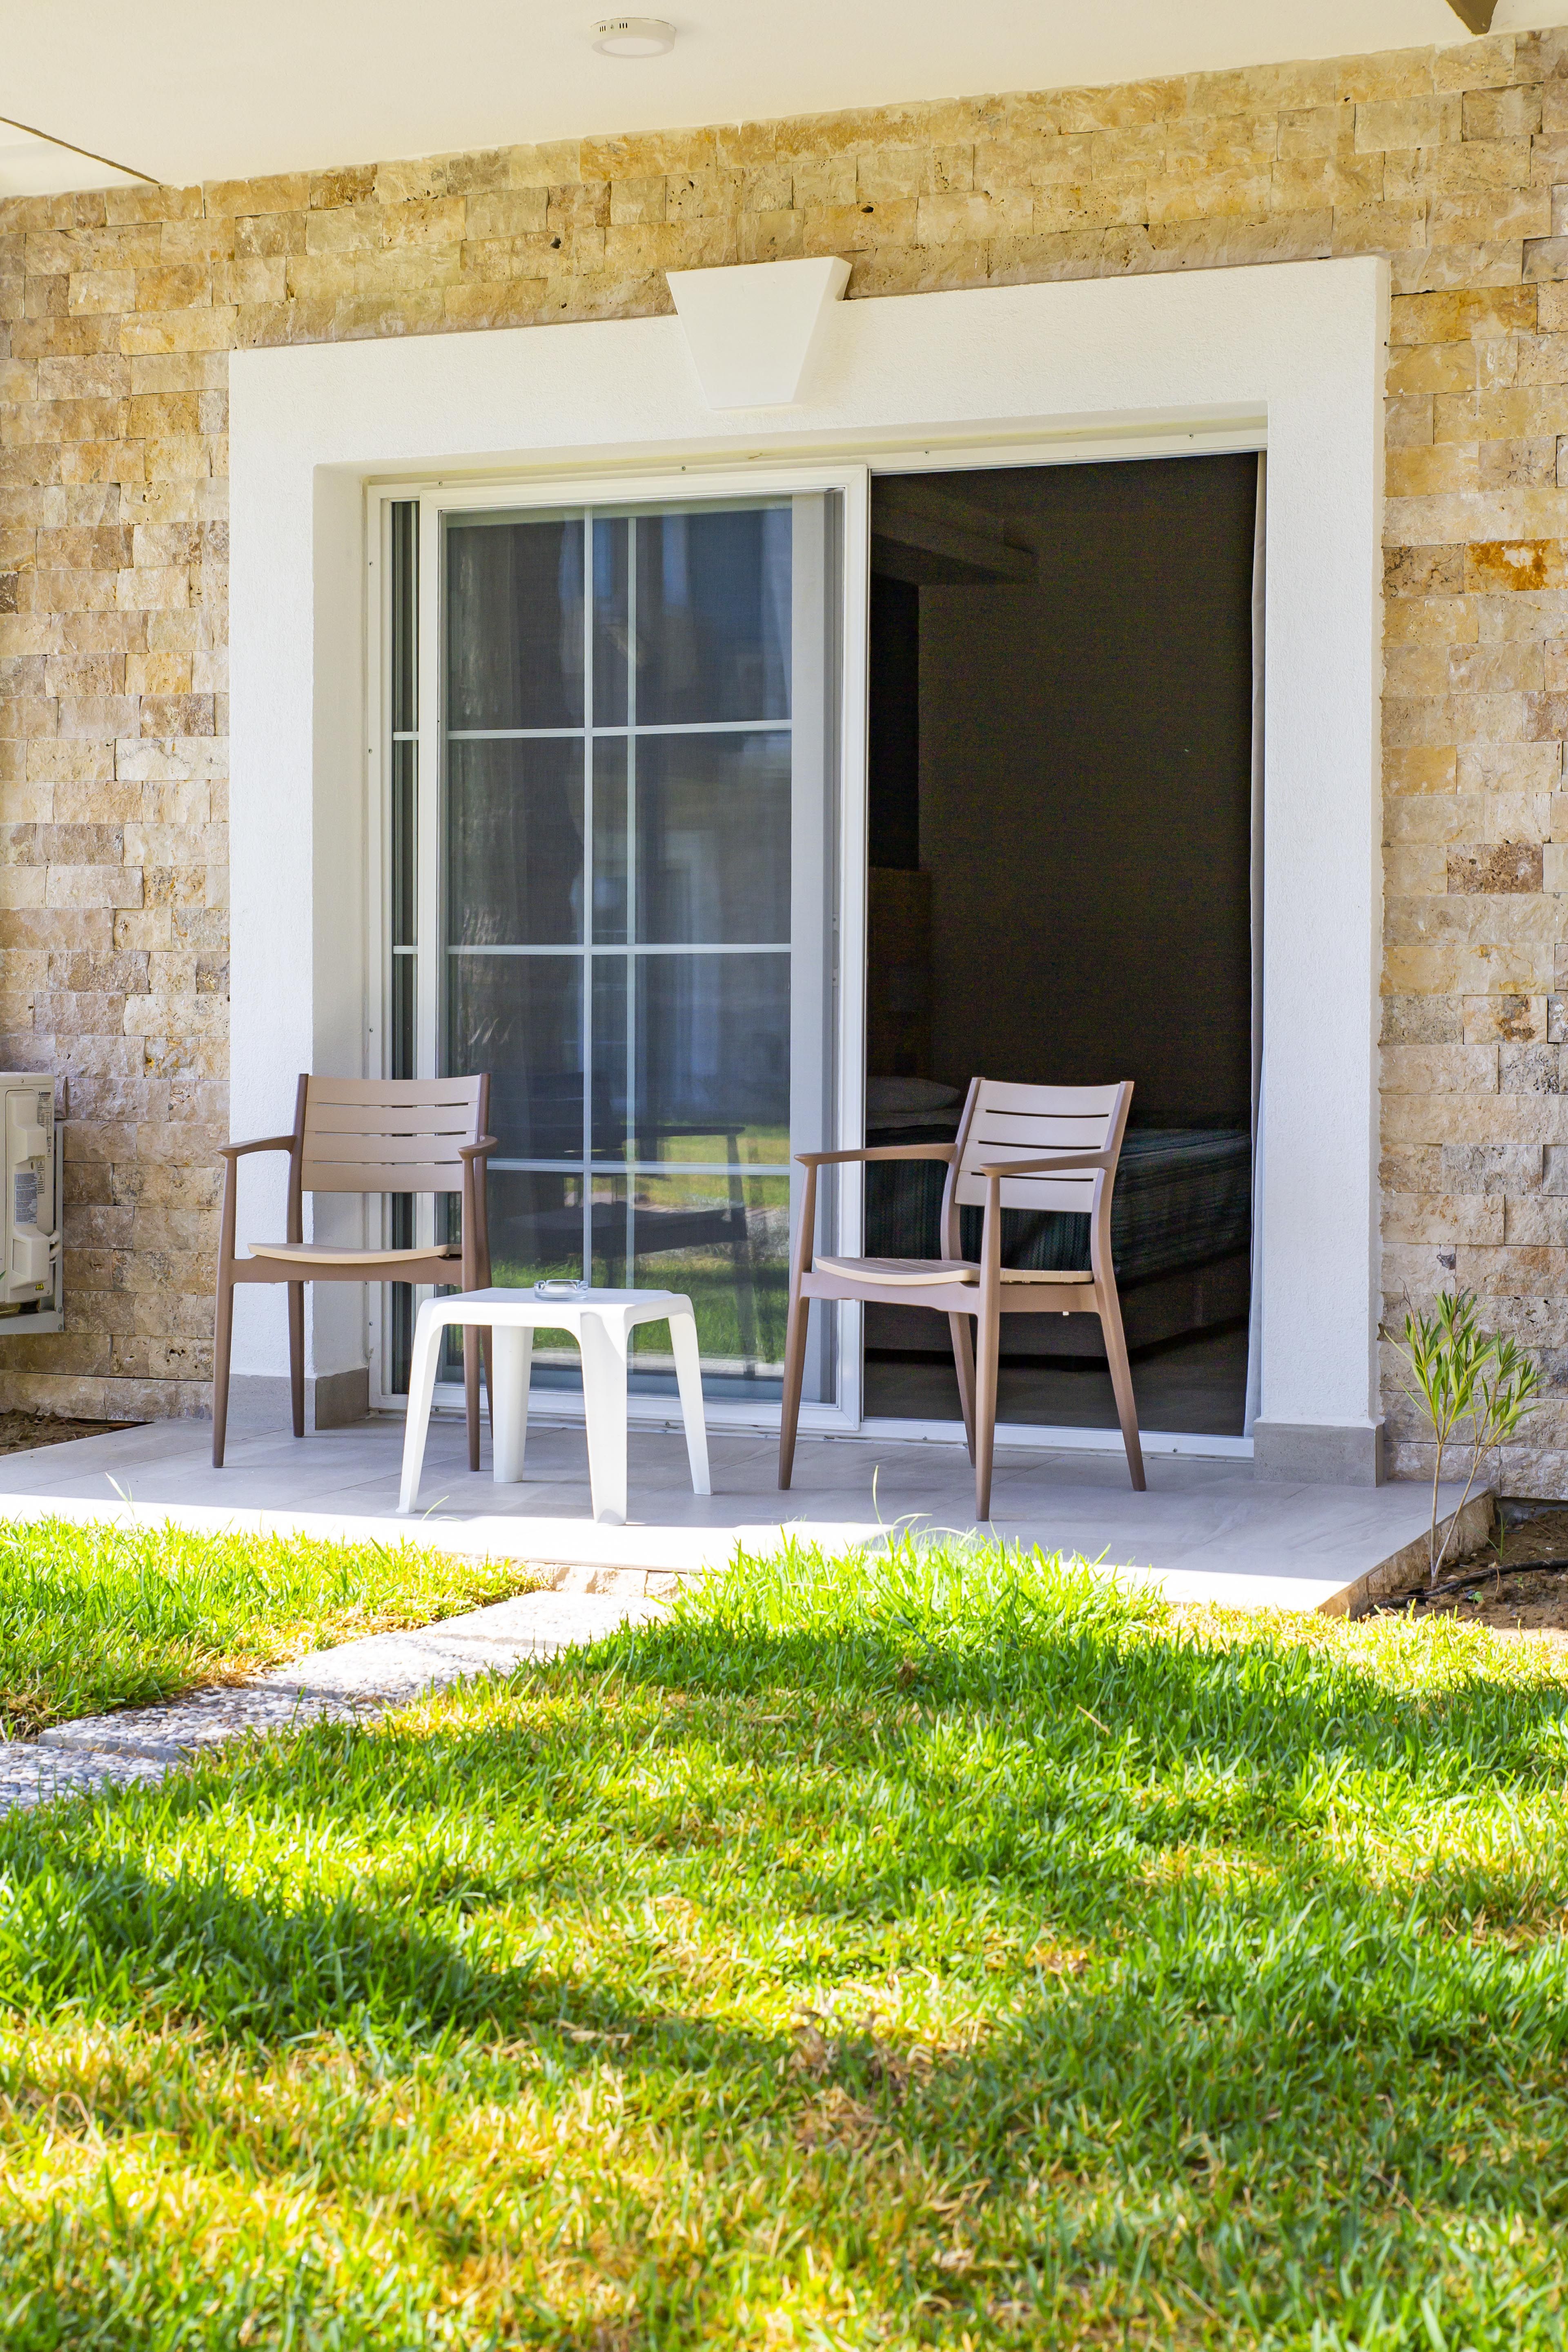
(1209, 1825)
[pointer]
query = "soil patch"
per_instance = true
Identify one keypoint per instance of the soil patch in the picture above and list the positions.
(20, 1432)
(1517, 1584)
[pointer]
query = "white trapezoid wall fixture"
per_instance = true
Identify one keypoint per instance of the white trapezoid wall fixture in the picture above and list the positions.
(751, 328)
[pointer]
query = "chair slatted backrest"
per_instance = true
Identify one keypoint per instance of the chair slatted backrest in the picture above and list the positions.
(389, 1135)
(1006, 1122)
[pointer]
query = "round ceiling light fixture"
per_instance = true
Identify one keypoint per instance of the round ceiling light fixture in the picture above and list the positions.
(633, 36)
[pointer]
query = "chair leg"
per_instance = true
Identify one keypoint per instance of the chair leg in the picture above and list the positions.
(963, 1365)
(1122, 1384)
(223, 1349)
(297, 1355)
(794, 1375)
(987, 1349)
(471, 1390)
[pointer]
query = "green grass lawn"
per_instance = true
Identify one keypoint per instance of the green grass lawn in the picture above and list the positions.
(925, 1952)
(93, 1618)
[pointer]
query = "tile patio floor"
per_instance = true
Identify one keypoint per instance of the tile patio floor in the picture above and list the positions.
(1205, 1529)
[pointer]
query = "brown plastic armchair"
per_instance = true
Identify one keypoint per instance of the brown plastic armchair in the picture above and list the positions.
(1017, 1147)
(364, 1134)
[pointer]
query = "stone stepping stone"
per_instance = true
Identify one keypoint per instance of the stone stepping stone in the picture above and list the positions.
(31, 1774)
(183, 1727)
(352, 1683)
(530, 1627)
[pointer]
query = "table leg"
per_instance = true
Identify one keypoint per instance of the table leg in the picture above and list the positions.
(688, 1375)
(603, 1340)
(511, 1359)
(428, 1334)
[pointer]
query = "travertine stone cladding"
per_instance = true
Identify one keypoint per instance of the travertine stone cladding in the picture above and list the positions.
(117, 312)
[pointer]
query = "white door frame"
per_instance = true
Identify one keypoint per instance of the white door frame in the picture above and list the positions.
(1294, 352)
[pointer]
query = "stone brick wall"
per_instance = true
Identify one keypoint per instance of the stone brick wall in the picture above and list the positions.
(116, 314)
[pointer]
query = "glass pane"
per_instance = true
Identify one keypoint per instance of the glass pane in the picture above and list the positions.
(608, 1268)
(536, 1226)
(713, 845)
(521, 1018)
(724, 1240)
(712, 1058)
(404, 967)
(610, 841)
(400, 1296)
(610, 623)
(404, 617)
(404, 845)
(714, 615)
(612, 1088)
(514, 624)
(515, 844)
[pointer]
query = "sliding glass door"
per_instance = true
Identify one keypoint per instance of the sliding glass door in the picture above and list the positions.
(619, 909)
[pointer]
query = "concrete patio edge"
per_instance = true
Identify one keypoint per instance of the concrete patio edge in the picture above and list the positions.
(581, 1555)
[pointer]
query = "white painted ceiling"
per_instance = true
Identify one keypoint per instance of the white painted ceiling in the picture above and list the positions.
(182, 91)
(33, 166)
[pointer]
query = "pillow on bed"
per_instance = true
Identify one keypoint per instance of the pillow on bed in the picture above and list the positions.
(885, 1098)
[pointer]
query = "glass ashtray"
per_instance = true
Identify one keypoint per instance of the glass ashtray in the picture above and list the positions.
(559, 1286)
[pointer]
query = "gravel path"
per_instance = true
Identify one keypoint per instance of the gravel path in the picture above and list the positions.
(353, 1683)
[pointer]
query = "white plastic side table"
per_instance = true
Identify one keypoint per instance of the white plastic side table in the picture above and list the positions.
(601, 1322)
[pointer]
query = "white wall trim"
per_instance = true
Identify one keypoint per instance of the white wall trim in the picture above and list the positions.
(1106, 367)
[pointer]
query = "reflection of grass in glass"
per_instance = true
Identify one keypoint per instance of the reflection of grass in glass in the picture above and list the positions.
(710, 1285)
(725, 1199)
(682, 1191)
(758, 1147)
(731, 1265)
(710, 1281)
(721, 1241)
(511, 1273)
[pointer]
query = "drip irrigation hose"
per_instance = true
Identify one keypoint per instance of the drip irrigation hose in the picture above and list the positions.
(1482, 1575)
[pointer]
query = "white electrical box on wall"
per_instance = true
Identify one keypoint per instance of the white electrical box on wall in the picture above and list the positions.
(32, 1295)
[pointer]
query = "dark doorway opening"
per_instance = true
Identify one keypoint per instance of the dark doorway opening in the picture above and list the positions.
(1060, 844)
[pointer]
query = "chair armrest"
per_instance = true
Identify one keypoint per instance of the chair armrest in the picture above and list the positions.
(1067, 1161)
(947, 1151)
(262, 1143)
(485, 1144)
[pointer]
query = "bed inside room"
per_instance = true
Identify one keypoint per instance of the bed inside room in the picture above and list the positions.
(1061, 847)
